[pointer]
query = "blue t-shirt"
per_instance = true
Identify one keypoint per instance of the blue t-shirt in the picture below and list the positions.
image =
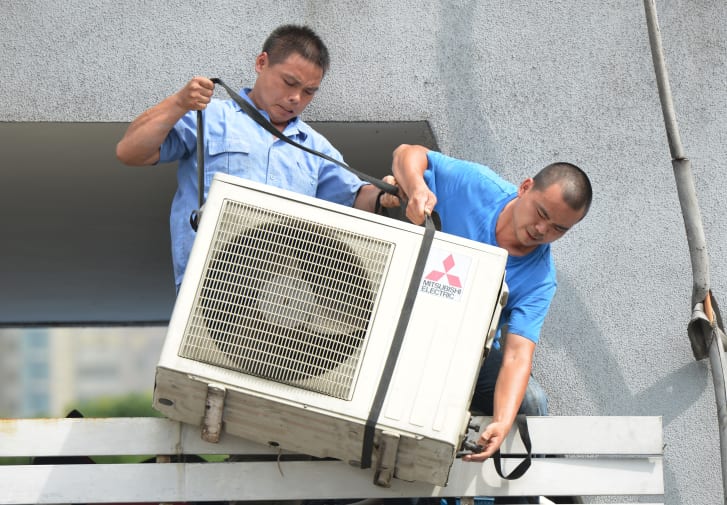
(235, 144)
(470, 198)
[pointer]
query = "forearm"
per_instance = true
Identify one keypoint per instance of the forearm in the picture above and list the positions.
(145, 135)
(512, 382)
(366, 198)
(510, 388)
(408, 166)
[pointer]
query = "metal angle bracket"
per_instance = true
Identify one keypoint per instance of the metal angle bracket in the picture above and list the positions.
(212, 421)
(386, 460)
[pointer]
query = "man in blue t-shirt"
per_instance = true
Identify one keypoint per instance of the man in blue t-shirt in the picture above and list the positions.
(475, 203)
(289, 69)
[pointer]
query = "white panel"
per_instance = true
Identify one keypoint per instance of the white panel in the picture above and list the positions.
(113, 437)
(119, 436)
(591, 435)
(600, 473)
(165, 482)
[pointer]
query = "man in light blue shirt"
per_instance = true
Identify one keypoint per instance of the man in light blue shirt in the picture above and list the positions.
(289, 69)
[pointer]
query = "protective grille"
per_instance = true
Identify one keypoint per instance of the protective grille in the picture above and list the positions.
(286, 299)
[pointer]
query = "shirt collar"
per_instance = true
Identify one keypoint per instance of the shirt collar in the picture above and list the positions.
(291, 130)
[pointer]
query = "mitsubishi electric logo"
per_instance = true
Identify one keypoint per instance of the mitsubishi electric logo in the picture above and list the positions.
(448, 265)
(445, 274)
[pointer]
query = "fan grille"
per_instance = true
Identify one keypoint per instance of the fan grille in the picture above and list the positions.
(286, 299)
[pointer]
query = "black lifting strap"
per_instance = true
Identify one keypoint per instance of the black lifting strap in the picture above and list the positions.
(267, 125)
(522, 426)
(388, 371)
(256, 116)
(196, 214)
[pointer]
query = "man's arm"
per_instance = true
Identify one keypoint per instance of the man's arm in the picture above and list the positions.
(512, 382)
(367, 195)
(145, 135)
(366, 198)
(408, 166)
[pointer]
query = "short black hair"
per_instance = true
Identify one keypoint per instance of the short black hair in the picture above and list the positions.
(574, 182)
(289, 39)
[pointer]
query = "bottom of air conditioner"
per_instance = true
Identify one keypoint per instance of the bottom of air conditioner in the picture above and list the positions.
(306, 430)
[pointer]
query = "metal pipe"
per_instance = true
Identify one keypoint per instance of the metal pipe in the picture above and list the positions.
(719, 369)
(662, 81)
(682, 166)
(697, 242)
(695, 232)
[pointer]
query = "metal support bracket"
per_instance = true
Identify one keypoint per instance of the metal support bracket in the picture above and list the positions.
(386, 460)
(212, 421)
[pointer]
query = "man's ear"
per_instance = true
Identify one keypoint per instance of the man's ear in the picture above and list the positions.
(525, 186)
(261, 61)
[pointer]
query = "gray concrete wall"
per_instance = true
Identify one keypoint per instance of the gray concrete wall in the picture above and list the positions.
(514, 85)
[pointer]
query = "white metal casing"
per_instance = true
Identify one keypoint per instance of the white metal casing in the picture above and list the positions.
(454, 316)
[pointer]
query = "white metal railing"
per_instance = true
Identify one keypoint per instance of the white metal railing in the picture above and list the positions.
(618, 456)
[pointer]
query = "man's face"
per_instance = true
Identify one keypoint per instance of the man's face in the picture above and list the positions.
(283, 90)
(542, 216)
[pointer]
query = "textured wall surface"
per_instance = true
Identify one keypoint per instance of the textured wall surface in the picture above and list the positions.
(514, 85)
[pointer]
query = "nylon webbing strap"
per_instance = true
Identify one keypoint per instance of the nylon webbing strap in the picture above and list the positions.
(388, 371)
(256, 116)
(200, 156)
(522, 426)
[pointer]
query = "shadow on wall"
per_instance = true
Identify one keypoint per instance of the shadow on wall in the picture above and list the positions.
(601, 379)
(671, 395)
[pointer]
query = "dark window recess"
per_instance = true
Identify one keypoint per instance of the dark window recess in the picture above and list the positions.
(86, 239)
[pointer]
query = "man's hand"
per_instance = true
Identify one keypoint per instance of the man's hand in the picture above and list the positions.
(145, 135)
(408, 166)
(421, 203)
(387, 199)
(490, 440)
(196, 94)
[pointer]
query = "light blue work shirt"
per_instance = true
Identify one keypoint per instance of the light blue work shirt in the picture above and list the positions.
(236, 145)
(470, 198)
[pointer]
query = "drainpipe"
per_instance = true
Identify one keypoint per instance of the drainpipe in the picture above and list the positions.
(705, 328)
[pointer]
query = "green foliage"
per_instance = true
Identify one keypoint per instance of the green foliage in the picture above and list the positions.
(15, 461)
(131, 405)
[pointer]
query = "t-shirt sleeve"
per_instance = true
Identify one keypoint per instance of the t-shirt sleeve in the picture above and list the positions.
(441, 175)
(532, 285)
(452, 178)
(527, 317)
(335, 183)
(181, 140)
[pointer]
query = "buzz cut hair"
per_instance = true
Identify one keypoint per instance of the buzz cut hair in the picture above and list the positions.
(576, 187)
(286, 40)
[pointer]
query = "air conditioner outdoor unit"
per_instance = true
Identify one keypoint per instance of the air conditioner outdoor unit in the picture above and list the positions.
(289, 306)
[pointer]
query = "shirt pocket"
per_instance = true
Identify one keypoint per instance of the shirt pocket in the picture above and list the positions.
(228, 156)
(298, 176)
